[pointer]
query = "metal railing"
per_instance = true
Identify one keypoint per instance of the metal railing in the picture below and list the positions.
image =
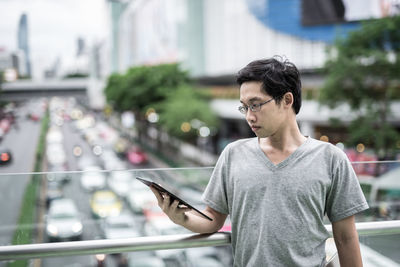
(155, 243)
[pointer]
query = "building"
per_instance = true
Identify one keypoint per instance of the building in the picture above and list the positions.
(213, 39)
(23, 42)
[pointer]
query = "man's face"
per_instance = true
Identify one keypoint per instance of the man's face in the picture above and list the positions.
(267, 120)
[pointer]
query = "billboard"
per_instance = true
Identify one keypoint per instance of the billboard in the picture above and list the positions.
(316, 12)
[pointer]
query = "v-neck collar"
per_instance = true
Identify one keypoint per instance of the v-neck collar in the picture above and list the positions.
(283, 163)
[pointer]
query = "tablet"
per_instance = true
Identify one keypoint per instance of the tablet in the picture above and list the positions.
(172, 196)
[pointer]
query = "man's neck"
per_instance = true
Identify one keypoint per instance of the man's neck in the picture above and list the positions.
(288, 139)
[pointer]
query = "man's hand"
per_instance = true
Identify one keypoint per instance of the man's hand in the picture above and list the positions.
(174, 211)
(190, 220)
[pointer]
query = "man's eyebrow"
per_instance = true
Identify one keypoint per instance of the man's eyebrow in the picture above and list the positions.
(256, 98)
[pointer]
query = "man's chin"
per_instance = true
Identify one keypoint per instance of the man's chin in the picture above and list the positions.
(261, 135)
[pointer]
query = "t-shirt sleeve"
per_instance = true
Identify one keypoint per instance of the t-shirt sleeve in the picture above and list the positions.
(215, 195)
(345, 197)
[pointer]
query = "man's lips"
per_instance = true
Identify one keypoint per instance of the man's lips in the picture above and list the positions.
(254, 128)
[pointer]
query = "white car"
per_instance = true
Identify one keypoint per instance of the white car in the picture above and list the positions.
(120, 181)
(85, 161)
(63, 220)
(93, 178)
(54, 136)
(139, 196)
(145, 259)
(121, 226)
(111, 160)
(164, 226)
(55, 154)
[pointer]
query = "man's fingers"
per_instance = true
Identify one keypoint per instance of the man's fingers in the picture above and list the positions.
(166, 203)
(183, 210)
(174, 209)
(158, 195)
(177, 208)
(174, 204)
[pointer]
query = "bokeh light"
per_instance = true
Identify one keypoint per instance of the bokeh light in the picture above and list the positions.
(324, 138)
(360, 148)
(186, 127)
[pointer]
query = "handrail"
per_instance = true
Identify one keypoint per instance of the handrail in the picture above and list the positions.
(108, 246)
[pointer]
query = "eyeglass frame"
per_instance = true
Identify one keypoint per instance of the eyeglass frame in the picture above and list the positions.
(254, 107)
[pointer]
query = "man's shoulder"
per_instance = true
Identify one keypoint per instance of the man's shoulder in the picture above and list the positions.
(240, 143)
(328, 149)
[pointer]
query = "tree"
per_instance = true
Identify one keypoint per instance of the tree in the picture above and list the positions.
(143, 85)
(165, 90)
(184, 112)
(363, 71)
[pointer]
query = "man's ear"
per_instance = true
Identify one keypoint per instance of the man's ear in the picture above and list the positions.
(288, 99)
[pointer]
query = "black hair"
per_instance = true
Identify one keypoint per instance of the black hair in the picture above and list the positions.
(277, 76)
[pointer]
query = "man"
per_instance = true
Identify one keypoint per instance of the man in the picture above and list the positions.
(278, 186)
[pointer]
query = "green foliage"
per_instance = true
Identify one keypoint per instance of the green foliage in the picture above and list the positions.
(144, 85)
(114, 91)
(363, 71)
(166, 89)
(184, 106)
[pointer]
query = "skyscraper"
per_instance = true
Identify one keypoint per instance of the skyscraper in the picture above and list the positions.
(23, 43)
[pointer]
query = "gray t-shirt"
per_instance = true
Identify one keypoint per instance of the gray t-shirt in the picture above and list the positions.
(277, 210)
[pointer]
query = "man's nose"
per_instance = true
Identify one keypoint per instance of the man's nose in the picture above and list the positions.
(250, 116)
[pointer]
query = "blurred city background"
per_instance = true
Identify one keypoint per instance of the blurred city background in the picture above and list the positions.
(94, 93)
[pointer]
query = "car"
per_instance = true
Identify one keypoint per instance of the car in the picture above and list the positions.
(105, 203)
(85, 161)
(204, 262)
(33, 116)
(54, 191)
(91, 135)
(121, 146)
(121, 226)
(144, 259)
(153, 212)
(85, 122)
(203, 257)
(120, 181)
(54, 135)
(5, 156)
(107, 133)
(2, 133)
(93, 178)
(139, 196)
(5, 125)
(63, 220)
(58, 173)
(136, 156)
(111, 161)
(55, 154)
(164, 226)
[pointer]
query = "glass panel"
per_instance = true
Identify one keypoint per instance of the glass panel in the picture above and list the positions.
(99, 204)
(380, 182)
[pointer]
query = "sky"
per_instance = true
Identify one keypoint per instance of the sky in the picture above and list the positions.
(54, 26)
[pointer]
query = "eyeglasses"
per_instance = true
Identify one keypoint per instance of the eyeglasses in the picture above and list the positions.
(255, 107)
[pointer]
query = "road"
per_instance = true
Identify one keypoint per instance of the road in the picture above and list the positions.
(73, 190)
(22, 140)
